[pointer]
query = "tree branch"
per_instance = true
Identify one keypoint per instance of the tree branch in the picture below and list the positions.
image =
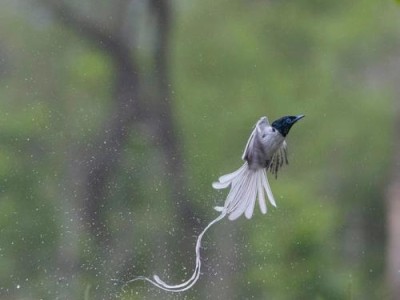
(102, 37)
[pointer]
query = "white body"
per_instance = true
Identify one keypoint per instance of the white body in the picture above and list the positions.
(266, 148)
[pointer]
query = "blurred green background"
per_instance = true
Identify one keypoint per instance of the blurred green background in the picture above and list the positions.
(116, 117)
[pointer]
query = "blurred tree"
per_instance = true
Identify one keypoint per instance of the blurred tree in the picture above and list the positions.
(93, 164)
(393, 219)
(107, 101)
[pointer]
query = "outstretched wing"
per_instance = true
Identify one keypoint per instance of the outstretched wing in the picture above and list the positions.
(250, 143)
(278, 159)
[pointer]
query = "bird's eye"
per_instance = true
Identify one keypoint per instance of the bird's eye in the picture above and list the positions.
(288, 121)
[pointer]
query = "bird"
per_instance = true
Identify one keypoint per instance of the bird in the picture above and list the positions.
(266, 150)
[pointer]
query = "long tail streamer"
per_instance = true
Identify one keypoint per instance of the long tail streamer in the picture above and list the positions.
(156, 281)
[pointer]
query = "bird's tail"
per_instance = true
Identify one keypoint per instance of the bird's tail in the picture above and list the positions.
(176, 288)
(246, 186)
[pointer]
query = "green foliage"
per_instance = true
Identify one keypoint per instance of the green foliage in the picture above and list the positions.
(231, 62)
(281, 58)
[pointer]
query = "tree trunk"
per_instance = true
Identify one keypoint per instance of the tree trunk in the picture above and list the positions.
(96, 162)
(393, 220)
(167, 132)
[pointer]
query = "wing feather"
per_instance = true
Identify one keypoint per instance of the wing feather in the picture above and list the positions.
(279, 158)
(250, 143)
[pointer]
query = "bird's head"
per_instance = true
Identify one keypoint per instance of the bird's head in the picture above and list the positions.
(284, 124)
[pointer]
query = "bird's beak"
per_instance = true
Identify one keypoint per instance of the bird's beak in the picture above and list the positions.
(298, 118)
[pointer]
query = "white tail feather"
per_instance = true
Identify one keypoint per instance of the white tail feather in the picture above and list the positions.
(225, 180)
(237, 206)
(246, 186)
(219, 208)
(268, 189)
(156, 281)
(261, 198)
(252, 199)
(242, 198)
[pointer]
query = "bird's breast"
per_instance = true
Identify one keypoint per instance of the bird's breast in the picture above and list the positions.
(263, 151)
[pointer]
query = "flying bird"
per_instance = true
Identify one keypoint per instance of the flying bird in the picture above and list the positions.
(265, 150)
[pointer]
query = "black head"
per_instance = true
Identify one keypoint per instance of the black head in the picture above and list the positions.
(284, 124)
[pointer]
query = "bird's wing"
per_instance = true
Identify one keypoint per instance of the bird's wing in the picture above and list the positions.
(278, 159)
(250, 143)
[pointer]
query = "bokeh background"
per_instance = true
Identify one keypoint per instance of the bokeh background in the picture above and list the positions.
(116, 117)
